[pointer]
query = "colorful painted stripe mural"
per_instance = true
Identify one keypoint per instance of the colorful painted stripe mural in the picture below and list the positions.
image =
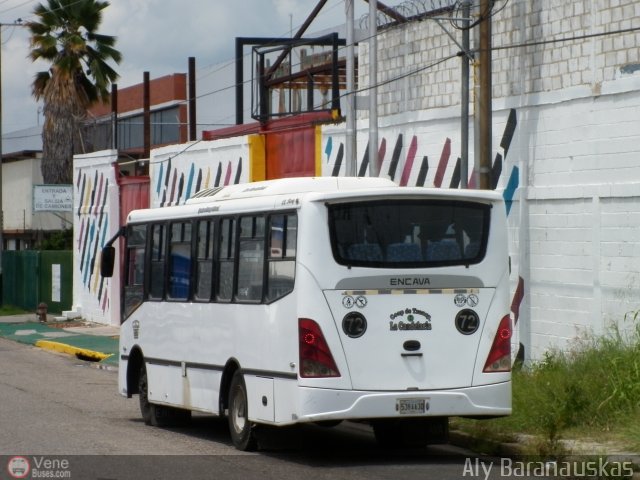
(93, 218)
(175, 176)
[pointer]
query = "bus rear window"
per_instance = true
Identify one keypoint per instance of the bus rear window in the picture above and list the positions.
(409, 233)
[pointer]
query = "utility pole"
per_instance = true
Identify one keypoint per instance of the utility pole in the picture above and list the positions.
(350, 99)
(1, 205)
(373, 89)
(483, 98)
(464, 114)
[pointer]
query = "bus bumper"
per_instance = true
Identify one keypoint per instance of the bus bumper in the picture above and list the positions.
(316, 404)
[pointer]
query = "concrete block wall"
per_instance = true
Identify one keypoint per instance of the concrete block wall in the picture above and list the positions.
(574, 155)
(551, 62)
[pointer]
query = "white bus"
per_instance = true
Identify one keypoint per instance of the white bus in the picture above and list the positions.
(318, 300)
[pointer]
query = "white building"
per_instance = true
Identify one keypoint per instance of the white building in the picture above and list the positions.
(22, 153)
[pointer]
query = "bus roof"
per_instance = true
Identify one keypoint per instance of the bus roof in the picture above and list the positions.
(269, 194)
(284, 186)
(325, 185)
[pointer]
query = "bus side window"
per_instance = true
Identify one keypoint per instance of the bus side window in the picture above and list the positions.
(158, 249)
(251, 259)
(225, 257)
(180, 261)
(204, 260)
(283, 231)
(134, 264)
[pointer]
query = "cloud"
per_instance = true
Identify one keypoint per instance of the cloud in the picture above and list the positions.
(158, 36)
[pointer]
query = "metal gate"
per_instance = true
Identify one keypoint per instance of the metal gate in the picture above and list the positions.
(31, 277)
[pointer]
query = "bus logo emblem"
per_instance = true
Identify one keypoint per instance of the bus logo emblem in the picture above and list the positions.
(408, 320)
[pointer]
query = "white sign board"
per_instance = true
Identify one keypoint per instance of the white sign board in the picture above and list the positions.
(53, 198)
(56, 289)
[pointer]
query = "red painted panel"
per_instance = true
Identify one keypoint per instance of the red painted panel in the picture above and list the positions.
(291, 153)
(134, 194)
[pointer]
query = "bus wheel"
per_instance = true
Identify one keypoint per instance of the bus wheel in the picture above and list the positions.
(156, 415)
(242, 434)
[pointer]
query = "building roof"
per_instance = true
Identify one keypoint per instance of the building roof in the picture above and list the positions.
(22, 143)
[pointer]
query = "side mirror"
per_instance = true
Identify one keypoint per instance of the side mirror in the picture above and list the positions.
(107, 261)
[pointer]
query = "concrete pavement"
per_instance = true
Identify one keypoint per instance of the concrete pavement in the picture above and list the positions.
(87, 341)
(99, 343)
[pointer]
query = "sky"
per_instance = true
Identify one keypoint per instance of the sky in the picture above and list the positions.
(158, 36)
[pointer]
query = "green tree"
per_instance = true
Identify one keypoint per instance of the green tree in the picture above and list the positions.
(65, 35)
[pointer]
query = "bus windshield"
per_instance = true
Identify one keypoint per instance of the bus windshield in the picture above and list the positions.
(409, 233)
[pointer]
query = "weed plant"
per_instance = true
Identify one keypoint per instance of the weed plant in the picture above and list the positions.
(591, 390)
(6, 310)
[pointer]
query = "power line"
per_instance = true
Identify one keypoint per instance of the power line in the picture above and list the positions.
(568, 39)
(231, 62)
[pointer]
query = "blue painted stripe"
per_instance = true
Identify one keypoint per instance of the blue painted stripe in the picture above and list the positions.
(192, 174)
(329, 148)
(510, 190)
(160, 175)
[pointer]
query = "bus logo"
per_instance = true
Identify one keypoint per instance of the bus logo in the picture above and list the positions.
(408, 320)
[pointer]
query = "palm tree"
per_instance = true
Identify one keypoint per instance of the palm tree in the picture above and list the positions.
(64, 35)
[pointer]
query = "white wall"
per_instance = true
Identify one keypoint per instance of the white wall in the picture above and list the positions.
(179, 171)
(17, 199)
(96, 219)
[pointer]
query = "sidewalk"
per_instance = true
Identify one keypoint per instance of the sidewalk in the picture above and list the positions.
(87, 341)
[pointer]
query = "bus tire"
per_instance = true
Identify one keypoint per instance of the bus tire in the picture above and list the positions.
(157, 415)
(241, 429)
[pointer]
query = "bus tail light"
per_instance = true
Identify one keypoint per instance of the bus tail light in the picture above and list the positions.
(499, 359)
(315, 357)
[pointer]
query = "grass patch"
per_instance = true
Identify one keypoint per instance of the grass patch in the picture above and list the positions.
(7, 310)
(589, 392)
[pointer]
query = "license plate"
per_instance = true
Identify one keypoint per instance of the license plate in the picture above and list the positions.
(412, 406)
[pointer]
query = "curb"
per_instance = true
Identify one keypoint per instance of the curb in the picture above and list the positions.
(470, 442)
(81, 353)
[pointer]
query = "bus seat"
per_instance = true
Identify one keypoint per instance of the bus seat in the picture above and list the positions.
(404, 252)
(472, 250)
(365, 251)
(442, 251)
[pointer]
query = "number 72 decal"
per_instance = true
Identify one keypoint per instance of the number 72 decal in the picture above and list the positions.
(467, 321)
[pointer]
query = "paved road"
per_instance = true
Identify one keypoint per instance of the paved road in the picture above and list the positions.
(66, 414)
